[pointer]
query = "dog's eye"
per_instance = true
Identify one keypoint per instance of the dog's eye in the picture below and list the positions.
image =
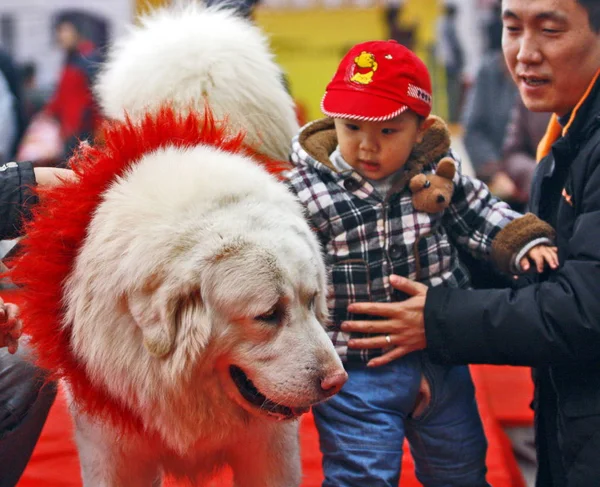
(270, 316)
(427, 184)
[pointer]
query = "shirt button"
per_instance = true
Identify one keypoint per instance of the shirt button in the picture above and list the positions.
(351, 184)
(395, 251)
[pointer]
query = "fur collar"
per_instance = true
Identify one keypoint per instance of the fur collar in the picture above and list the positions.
(319, 140)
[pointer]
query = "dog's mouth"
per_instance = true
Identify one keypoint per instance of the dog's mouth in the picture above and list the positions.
(253, 396)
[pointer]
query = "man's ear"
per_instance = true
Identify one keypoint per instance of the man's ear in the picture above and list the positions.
(159, 312)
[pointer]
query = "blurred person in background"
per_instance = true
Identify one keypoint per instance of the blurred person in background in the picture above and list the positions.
(485, 118)
(243, 7)
(8, 121)
(12, 78)
(73, 104)
(524, 132)
(392, 11)
(34, 98)
(450, 55)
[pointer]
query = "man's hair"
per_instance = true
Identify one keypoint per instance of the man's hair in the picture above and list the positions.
(593, 10)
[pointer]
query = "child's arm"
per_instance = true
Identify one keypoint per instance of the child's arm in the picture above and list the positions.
(488, 229)
(524, 240)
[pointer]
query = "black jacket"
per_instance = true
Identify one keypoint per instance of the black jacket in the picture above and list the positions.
(16, 199)
(554, 322)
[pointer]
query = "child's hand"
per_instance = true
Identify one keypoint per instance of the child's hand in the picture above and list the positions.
(540, 255)
(10, 326)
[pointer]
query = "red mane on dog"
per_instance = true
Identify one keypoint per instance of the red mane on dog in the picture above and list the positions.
(55, 234)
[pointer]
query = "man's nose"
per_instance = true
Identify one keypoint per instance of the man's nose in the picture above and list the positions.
(529, 51)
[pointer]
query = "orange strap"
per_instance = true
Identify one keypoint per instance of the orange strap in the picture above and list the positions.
(555, 130)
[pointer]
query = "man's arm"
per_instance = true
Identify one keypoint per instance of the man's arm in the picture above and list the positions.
(554, 322)
(16, 196)
(557, 321)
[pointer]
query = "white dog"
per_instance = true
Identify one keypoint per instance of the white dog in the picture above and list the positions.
(197, 300)
(182, 298)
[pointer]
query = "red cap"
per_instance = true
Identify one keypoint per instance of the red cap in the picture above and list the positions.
(377, 81)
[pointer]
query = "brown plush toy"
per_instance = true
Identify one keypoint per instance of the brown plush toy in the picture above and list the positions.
(432, 192)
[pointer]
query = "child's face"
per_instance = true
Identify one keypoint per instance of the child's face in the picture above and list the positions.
(378, 149)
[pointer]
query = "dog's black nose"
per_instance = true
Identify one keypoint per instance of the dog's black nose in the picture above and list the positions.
(441, 198)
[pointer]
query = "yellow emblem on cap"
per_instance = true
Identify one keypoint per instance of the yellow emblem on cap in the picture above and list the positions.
(364, 61)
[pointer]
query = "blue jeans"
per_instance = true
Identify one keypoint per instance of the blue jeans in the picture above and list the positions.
(24, 404)
(362, 428)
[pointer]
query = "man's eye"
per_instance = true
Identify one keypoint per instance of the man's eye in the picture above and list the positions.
(387, 131)
(351, 126)
(512, 29)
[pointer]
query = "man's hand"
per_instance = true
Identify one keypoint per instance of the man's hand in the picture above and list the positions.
(53, 176)
(403, 331)
(540, 255)
(10, 326)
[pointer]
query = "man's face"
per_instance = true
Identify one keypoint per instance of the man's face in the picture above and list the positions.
(551, 52)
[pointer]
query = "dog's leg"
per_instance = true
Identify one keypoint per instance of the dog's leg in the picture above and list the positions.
(111, 461)
(270, 457)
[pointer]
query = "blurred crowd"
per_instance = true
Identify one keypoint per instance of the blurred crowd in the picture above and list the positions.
(44, 126)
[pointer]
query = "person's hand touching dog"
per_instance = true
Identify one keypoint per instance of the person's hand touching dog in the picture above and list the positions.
(10, 326)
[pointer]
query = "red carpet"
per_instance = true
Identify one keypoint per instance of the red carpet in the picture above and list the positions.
(54, 462)
(510, 391)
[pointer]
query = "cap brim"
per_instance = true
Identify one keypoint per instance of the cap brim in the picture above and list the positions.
(357, 105)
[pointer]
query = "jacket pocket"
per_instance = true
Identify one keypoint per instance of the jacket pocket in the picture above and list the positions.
(350, 283)
(578, 390)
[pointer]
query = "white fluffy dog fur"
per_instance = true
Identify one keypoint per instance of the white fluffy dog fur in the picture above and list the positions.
(198, 297)
(192, 55)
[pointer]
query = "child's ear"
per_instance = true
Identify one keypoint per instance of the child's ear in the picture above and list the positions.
(424, 126)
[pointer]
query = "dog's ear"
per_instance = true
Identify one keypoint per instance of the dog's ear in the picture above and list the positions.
(160, 312)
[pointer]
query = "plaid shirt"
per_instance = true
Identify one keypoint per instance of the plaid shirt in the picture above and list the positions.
(367, 236)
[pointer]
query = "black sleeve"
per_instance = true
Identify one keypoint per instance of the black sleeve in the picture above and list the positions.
(16, 197)
(553, 322)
